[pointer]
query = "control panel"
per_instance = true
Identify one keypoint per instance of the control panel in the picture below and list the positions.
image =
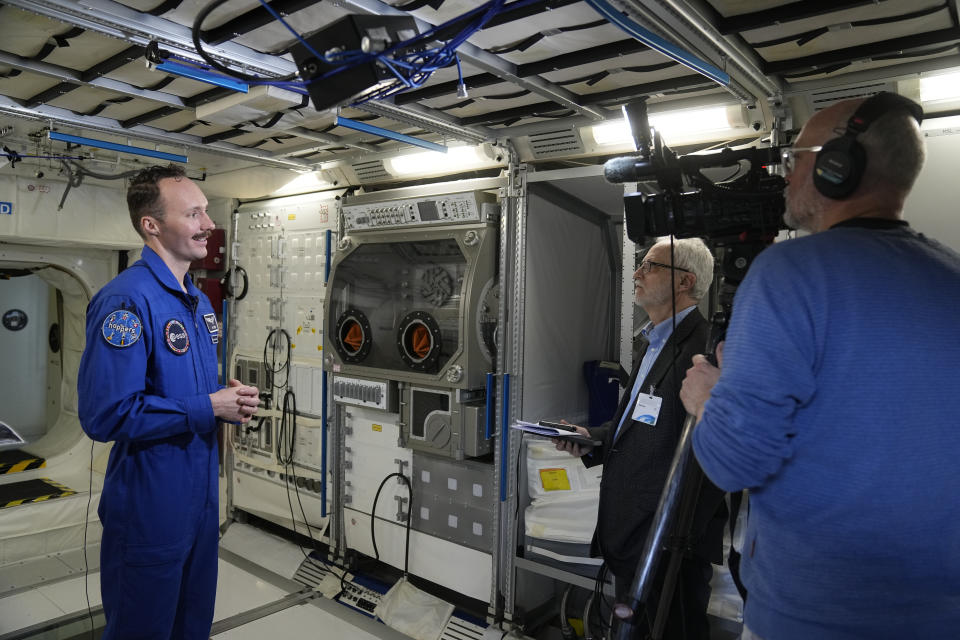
(378, 394)
(413, 212)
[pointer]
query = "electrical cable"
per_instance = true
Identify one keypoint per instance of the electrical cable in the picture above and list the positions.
(411, 64)
(373, 519)
(270, 367)
(76, 174)
(260, 419)
(566, 631)
(601, 598)
(289, 408)
(195, 33)
(227, 282)
(102, 176)
(587, 632)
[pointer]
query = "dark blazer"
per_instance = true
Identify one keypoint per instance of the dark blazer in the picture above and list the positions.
(636, 464)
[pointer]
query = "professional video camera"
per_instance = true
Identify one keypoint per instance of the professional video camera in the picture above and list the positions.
(686, 203)
(737, 217)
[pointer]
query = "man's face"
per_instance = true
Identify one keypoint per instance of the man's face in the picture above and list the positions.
(805, 205)
(652, 287)
(185, 225)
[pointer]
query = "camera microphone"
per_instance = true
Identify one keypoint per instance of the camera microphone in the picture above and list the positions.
(627, 169)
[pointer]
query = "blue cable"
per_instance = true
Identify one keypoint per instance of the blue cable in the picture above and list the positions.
(416, 66)
(296, 35)
(459, 70)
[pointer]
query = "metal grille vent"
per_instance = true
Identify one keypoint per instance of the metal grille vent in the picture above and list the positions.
(371, 170)
(310, 573)
(561, 142)
(823, 98)
(460, 629)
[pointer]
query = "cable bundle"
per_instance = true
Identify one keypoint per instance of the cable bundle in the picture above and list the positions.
(411, 61)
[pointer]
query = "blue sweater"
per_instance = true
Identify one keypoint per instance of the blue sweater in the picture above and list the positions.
(839, 408)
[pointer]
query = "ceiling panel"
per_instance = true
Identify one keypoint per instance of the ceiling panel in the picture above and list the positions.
(77, 64)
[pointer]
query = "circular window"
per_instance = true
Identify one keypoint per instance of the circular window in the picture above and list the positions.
(353, 336)
(418, 340)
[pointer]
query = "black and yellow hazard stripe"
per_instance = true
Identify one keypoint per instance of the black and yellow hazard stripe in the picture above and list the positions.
(15, 461)
(23, 465)
(30, 491)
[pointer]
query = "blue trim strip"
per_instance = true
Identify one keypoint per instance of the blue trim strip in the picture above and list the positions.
(505, 438)
(488, 429)
(203, 75)
(113, 146)
(657, 43)
(386, 133)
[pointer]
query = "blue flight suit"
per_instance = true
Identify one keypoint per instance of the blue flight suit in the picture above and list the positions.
(148, 368)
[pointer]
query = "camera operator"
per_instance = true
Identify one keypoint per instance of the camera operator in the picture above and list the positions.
(638, 445)
(837, 403)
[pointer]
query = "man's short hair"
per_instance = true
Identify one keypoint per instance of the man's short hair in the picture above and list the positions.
(895, 151)
(693, 255)
(143, 194)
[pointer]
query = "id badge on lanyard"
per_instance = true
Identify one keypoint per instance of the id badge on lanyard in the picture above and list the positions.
(647, 408)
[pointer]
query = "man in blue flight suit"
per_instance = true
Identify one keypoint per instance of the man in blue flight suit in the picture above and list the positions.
(148, 382)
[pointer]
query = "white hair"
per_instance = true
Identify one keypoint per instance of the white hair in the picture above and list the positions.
(694, 256)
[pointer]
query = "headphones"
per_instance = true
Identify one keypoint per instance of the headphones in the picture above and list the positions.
(841, 162)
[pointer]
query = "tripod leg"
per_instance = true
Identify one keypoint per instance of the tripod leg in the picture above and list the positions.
(681, 542)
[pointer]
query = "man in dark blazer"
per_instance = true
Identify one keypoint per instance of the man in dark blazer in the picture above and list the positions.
(639, 443)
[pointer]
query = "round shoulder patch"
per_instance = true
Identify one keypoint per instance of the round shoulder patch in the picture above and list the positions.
(122, 328)
(177, 338)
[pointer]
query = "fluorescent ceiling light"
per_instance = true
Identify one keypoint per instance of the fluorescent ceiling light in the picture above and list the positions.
(304, 183)
(940, 87)
(670, 124)
(456, 158)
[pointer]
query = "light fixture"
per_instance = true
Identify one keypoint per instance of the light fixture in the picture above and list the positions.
(427, 162)
(304, 183)
(672, 125)
(113, 146)
(945, 86)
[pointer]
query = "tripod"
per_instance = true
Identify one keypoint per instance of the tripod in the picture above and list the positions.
(682, 490)
(677, 502)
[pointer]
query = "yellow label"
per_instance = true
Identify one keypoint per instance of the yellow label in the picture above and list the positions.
(299, 329)
(577, 625)
(291, 216)
(377, 427)
(554, 479)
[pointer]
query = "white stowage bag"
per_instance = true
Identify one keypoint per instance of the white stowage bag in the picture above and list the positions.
(413, 612)
(551, 472)
(563, 518)
(565, 495)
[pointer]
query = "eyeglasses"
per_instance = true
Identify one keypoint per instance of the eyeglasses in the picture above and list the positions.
(647, 265)
(789, 156)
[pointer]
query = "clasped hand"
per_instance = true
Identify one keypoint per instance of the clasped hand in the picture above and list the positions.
(238, 402)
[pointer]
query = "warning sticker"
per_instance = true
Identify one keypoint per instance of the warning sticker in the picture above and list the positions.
(554, 479)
